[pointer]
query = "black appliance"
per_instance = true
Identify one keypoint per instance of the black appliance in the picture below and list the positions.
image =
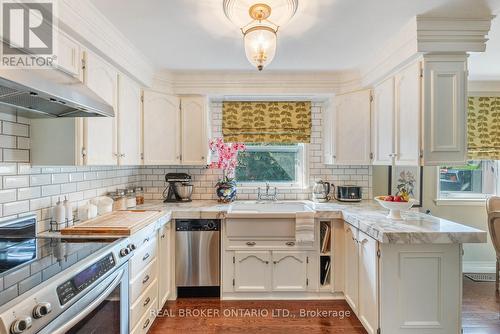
(349, 194)
(179, 187)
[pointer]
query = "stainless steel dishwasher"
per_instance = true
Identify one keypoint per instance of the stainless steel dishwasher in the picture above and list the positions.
(197, 257)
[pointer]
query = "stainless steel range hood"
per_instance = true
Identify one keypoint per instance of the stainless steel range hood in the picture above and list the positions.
(49, 93)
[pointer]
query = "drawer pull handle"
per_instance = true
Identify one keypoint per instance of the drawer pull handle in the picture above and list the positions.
(146, 240)
(146, 302)
(290, 243)
(145, 279)
(146, 324)
(251, 243)
(267, 262)
(163, 236)
(145, 257)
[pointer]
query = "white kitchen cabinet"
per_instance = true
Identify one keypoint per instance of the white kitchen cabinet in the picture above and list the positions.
(162, 126)
(69, 56)
(408, 115)
(445, 113)
(351, 129)
(383, 123)
(252, 271)
(289, 271)
(100, 132)
(194, 142)
(165, 269)
(129, 122)
(368, 282)
(351, 262)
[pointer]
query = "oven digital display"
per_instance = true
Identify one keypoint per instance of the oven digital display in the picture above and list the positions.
(84, 278)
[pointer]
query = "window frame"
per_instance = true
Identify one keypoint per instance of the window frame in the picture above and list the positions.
(459, 198)
(302, 171)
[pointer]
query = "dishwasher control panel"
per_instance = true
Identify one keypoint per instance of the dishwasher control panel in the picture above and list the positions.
(197, 225)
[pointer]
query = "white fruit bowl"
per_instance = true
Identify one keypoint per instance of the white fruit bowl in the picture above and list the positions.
(395, 208)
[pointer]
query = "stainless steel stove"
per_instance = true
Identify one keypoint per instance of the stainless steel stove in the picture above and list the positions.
(62, 285)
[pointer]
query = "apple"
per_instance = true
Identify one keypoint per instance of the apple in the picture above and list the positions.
(398, 199)
(389, 198)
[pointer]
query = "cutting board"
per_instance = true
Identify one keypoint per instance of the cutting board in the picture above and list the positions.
(119, 223)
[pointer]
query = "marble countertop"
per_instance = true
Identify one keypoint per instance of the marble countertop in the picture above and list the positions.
(368, 216)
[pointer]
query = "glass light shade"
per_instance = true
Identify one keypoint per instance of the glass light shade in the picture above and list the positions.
(260, 46)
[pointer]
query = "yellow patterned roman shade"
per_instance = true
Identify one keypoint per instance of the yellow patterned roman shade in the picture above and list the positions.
(266, 122)
(483, 128)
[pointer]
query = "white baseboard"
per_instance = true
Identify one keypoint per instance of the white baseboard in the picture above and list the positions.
(478, 266)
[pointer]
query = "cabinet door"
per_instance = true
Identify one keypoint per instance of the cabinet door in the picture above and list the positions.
(351, 267)
(328, 132)
(69, 56)
(289, 271)
(352, 129)
(161, 129)
(164, 264)
(194, 130)
(368, 283)
(408, 111)
(444, 124)
(252, 271)
(100, 132)
(129, 122)
(383, 123)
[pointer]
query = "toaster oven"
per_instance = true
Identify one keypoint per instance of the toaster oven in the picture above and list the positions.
(349, 193)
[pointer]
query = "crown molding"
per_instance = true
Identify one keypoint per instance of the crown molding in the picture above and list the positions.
(219, 83)
(84, 22)
(426, 35)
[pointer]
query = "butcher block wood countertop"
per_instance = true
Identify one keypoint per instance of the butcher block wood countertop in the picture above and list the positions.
(116, 223)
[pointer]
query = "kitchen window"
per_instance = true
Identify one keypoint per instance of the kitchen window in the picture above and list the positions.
(476, 180)
(280, 165)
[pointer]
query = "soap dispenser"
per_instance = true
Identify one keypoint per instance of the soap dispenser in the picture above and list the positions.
(68, 211)
(59, 213)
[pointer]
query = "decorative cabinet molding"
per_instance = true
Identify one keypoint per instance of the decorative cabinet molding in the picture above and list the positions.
(351, 267)
(69, 56)
(165, 247)
(252, 271)
(368, 283)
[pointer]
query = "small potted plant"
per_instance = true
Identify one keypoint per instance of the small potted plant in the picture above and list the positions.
(227, 160)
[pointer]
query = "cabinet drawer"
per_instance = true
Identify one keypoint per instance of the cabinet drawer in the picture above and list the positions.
(142, 281)
(289, 244)
(143, 303)
(146, 321)
(143, 256)
(144, 236)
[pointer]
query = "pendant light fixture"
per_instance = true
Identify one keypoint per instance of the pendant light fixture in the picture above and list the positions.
(260, 34)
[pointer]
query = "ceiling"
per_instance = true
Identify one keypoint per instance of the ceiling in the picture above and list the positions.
(333, 35)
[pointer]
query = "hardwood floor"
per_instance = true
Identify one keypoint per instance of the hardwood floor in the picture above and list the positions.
(480, 308)
(480, 312)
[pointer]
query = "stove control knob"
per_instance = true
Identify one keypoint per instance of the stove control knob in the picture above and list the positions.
(41, 310)
(20, 325)
(211, 225)
(132, 247)
(124, 252)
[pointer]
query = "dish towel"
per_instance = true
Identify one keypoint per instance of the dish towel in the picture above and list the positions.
(304, 227)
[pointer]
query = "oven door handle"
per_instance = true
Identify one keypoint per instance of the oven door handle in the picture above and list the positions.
(90, 307)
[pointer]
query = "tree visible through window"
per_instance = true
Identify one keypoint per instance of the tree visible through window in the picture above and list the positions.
(270, 163)
(475, 180)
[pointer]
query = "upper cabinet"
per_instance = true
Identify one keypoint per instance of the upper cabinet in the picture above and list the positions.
(175, 129)
(69, 56)
(194, 132)
(100, 140)
(161, 134)
(350, 129)
(383, 123)
(422, 120)
(129, 121)
(445, 113)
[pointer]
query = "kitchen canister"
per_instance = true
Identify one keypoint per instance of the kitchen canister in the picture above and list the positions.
(119, 199)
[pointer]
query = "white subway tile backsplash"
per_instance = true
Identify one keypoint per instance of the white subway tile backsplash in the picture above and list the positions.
(8, 195)
(60, 178)
(8, 168)
(10, 155)
(40, 180)
(15, 181)
(51, 190)
(28, 193)
(15, 129)
(23, 143)
(16, 207)
(8, 141)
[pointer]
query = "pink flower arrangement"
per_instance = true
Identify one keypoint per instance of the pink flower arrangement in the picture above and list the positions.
(227, 156)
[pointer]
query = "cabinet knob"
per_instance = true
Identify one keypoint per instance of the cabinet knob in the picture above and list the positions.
(290, 243)
(202, 158)
(251, 243)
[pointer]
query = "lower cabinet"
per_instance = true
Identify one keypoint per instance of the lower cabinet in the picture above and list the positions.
(164, 264)
(270, 271)
(351, 261)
